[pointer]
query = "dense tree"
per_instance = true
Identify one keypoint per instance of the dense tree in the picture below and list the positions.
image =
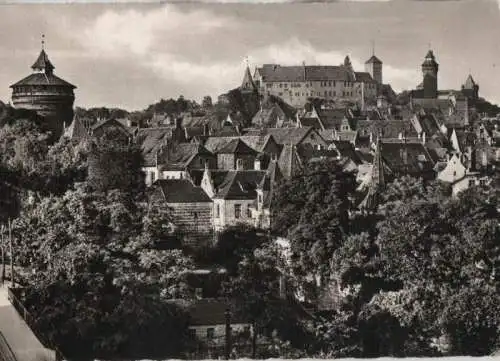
(312, 211)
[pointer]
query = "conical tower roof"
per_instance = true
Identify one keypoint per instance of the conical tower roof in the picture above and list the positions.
(469, 83)
(43, 63)
(248, 83)
(430, 59)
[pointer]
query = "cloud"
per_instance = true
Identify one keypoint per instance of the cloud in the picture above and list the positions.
(159, 42)
(138, 31)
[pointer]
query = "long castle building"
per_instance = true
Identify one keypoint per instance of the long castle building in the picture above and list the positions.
(296, 84)
(50, 96)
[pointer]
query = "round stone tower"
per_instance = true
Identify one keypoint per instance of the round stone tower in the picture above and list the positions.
(50, 96)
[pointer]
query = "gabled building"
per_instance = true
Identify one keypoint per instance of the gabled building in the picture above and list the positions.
(236, 155)
(235, 198)
(261, 213)
(461, 174)
(191, 209)
(296, 84)
(178, 160)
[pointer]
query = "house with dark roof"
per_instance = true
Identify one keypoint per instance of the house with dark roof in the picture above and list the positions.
(409, 158)
(191, 209)
(296, 84)
(295, 136)
(152, 142)
(207, 323)
(271, 115)
(177, 160)
(235, 154)
(234, 197)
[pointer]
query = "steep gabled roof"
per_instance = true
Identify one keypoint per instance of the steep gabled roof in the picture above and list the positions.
(182, 191)
(78, 129)
(240, 185)
(180, 156)
(236, 146)
(289, 135)
(150, 140)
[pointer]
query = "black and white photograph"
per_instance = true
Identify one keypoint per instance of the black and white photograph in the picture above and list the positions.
(231, 179)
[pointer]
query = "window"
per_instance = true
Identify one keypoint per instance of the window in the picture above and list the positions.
(472, 183)
(237, 210)
(192, 333)
(482, 182)
(260, 198)
(195, 215)
(210, 333)
(153, 177)
(198, 292)
(217, 211)
(249, 212)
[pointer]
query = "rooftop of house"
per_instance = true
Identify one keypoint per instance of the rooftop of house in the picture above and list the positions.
(182, 191)
(288, 135)
(150, 140)
(182, 154)
(408, 158)
(240, 185)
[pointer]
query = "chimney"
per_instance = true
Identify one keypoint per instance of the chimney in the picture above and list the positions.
(129, 122)
(239, 164)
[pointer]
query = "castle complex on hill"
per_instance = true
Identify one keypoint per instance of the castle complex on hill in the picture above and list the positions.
(296, 84)
(47, 94)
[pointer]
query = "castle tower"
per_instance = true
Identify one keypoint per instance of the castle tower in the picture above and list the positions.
(430, 70)
(50, 96)
(470, 89)
(374, 67)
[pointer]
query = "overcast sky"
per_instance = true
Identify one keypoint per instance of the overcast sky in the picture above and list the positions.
(131, 55)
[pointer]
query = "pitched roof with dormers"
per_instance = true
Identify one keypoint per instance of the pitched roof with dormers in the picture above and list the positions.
(301, 73)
